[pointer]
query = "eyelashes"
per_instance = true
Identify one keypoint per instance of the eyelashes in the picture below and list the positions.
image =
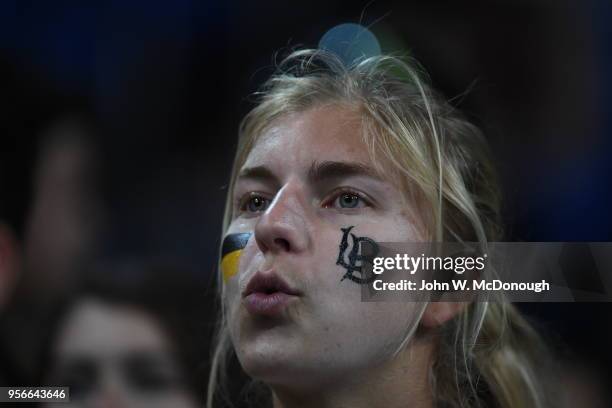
(343, 199)
(253, 203)
(346, 199)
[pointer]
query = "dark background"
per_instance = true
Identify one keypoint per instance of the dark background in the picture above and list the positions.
(162, 86)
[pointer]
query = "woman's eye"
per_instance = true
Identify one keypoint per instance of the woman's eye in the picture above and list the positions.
(256, 203)
(348, 200)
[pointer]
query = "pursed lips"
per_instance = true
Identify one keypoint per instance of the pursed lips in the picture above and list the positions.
(267, 294)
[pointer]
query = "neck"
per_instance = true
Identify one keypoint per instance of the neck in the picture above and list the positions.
(400, 382)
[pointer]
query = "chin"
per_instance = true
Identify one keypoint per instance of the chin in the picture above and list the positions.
(265, 355)
(278, 363)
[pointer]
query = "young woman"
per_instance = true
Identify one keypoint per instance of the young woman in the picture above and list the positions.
(371, 150)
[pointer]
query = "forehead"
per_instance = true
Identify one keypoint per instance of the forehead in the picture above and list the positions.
(95, 328)
(324, 133)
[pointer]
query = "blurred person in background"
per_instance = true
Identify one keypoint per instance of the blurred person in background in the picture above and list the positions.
(49, 210)
(131, 336)
(65, 219)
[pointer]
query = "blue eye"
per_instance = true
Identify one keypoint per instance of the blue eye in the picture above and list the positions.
(256, 203)
(348, 200)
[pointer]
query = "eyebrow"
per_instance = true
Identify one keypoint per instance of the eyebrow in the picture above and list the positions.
(259, 173)
(326, 170)
(319, 171)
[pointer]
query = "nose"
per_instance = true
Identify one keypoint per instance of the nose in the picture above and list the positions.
(110, 391)
(284, 227)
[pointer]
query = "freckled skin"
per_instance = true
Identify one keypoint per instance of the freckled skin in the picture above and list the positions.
(328, 333)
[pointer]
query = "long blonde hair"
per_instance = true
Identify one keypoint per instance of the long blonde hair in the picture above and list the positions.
(486, 354)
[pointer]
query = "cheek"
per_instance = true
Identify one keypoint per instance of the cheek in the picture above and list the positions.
(236, 248)
(340, 318)
(367, 332)
(245, 265)
(249, 256)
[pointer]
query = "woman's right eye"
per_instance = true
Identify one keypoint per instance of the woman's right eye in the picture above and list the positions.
(255, 203)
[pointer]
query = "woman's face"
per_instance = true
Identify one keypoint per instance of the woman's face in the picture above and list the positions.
(113, 355)
(295, 313)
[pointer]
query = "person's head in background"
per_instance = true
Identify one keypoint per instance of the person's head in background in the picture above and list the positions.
(131, 336)
(20, 123)
(372, 151)
(48, 213)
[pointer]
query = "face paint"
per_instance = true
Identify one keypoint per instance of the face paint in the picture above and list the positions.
(354, 257)
(230, 253)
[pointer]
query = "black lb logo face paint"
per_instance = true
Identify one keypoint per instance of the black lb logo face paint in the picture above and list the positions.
(355, 259)
(232, 247)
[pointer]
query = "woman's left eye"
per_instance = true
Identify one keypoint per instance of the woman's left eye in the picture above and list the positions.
(347, 200)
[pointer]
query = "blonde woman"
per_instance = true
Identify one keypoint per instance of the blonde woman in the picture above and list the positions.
(368, 150)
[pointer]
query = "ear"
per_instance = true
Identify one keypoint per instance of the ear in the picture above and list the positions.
(9, 263)
(438, 313)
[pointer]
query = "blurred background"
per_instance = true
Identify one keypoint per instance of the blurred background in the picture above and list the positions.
(118, 125)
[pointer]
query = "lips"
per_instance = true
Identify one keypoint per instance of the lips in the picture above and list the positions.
(267, 294)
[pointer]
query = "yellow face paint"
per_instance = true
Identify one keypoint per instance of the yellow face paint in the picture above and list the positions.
(233, 244)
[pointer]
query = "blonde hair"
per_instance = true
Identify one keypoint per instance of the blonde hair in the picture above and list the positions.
(486, 354)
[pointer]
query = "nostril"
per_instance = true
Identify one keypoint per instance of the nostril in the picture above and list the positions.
(282, 244)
